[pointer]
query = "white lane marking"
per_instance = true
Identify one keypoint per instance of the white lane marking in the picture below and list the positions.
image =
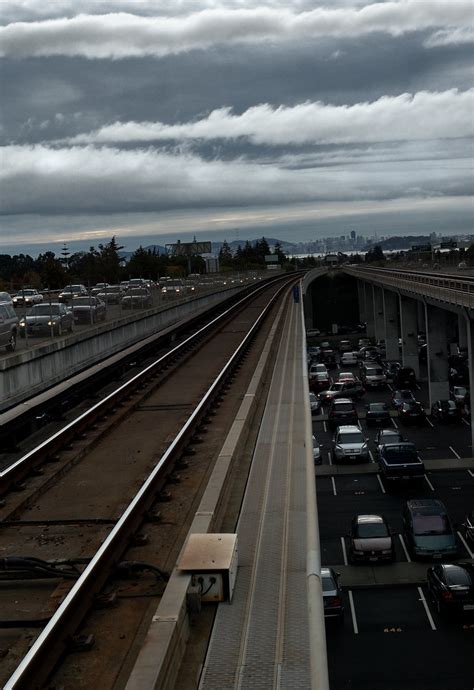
(430, 422)
(394, 423)
(471, 554)
(325, 427)
(419, 387)
(330, 458)
(381, 484)
(344, 552)
(407, 555)
(471, 473)
(465, 422)
(429, 483)
(353, 613)
(333, 482)
(371, 456)
(390, 386)
(427, 610)
(454, 452)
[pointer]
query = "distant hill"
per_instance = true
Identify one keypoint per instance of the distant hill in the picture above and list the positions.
(405, 242)
(234, 244)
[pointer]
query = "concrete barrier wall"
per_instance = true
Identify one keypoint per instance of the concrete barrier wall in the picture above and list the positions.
(30, 372)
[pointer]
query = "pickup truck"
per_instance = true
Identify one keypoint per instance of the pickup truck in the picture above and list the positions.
(400, 462)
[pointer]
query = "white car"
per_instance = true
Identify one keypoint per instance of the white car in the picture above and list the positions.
(349, 359)
(27, 298)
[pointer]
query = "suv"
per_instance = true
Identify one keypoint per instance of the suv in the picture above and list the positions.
(332, 595)
(341, 411)
(428, 529)
(373, 376)
(8, 323)
(349, 444)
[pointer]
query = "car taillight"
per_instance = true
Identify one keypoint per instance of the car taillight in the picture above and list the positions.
(447, 595)
(333, 601)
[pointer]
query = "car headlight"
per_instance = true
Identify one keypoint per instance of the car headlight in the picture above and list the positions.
(51, 323)
(364, 448)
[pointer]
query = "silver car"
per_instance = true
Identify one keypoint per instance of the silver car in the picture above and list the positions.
(316, 452)
(371, 539)
(349, 445)
(47, 318)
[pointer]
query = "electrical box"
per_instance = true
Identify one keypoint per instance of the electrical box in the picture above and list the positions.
(212, 560)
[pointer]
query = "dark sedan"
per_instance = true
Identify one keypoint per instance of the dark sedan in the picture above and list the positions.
(332, 595)
(451, 587)
(405, 378)
(399, 397)
(412, 413)
(445, 411)
(47, 318)
(88, 310)
(377, 413)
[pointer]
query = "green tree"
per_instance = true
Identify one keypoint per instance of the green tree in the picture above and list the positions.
(109, 261)
(225, 255)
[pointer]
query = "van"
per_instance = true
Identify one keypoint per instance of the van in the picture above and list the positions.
(428, 529)
(8, 323)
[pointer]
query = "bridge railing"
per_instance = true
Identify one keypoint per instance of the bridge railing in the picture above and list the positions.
(458, 291)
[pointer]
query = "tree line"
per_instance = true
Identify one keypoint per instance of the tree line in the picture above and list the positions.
(105, 264)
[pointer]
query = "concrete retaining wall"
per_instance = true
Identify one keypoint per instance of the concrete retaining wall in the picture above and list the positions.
(30, 372)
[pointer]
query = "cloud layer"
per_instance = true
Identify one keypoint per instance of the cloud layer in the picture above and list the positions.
(120, 35)
(423, 115)
(104, 180)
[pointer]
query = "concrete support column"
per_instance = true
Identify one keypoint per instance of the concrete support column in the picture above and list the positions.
(379, 323)
(408, 333)
(421, 317)
(369, 309)
(390, 311)
(469, 326)
(462, 332)
(361, 296)
(437, 353)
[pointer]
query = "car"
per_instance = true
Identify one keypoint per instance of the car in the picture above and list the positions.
(445, 411)
(343, 389)
(111, 295)
(346, 376)
(468, 525)
(328, 357)
(317, 452)
(399, 461)
(325, 345)
(349, 445)
(370, 540)
(377, 413)
(50, 317)
(399, 397)
(100, 287)
(313, 332)
(364, 342)
(314, 403)
(71, 291)
(136, 298)
(345, 346)
(390, 435)
(341, 411)
(8, 323)
(332, 595)
(88, 309)
(391, 368)
(412, 413)
(428, 530)
(405, 378)
(319, 382)
(27, 297)
(349, 359)
(372, 376)
(369, 354)
(317, 369)
(451, 587)
(458, 395)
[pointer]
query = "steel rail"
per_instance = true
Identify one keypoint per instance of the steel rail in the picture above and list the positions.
(43, 654)
(15, 472)
(455, 291)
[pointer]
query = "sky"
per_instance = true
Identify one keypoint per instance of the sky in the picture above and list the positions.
(160, 120)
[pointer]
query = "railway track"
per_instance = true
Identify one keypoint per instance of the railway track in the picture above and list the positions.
(94, 516)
